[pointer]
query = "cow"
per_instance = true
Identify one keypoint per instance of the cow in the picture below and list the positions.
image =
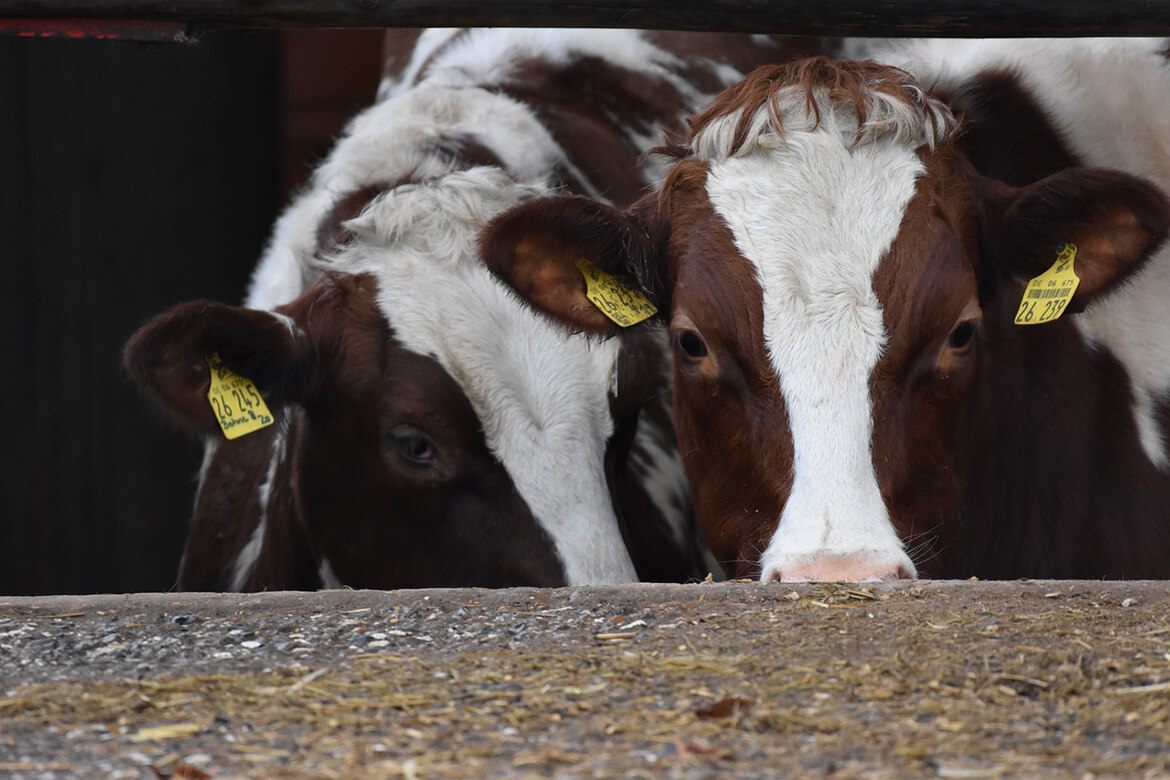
(842, 251)
(404, 421)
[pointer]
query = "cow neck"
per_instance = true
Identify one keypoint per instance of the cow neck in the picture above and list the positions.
(269, 550)
(1055, 517)
(643, 468)
(1060, 382)
(285, 559)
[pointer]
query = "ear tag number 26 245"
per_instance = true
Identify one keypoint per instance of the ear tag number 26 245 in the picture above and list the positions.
(1047, 296)
(237, 404)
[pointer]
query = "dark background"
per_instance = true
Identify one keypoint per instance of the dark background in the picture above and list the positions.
(132, 177)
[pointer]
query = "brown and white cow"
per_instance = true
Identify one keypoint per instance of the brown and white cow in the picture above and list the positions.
(433, 431)
(841, 263)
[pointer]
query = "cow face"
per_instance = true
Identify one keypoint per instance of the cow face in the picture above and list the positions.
(384, 469)
(828, 265)
(482, 402)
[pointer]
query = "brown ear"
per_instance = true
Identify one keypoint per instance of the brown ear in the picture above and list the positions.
(1115, 220)
(167, 358)
(535, 248)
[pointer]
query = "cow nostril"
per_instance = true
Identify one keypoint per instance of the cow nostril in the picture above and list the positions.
(905, 574)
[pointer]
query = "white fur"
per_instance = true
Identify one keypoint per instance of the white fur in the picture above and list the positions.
(288, 322)
(490, 55)
(656, 464)
(659, 468)
(922, 123)
(815, 211)
(210, 445)
(388, 142)
(429, 42)
(329, 580)
(540, 393)
(1149, 430)
(246, 561)
(447, 93)
(1107, 98)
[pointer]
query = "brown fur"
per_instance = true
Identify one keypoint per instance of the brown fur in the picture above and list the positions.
(340, 492)
(850, 82)
(1000, 450)
(968, 493)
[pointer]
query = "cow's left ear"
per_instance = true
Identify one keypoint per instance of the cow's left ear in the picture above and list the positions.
(168, 358)
(1115, 220)
(549, 251)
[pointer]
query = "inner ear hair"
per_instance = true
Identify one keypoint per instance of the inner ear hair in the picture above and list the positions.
(1115, 220)
(535, 249)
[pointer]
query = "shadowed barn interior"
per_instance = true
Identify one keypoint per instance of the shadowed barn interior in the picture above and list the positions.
(134, 176)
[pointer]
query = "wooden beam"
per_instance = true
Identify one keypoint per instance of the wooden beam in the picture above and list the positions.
(98, 29)
(939, 18)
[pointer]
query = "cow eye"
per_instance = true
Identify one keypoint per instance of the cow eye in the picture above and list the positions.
(412, 446)
(962, 336)
(691, 344)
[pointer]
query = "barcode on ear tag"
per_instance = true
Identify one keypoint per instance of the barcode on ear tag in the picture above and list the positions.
(614, 297)
(1047, 296)
(237, 404)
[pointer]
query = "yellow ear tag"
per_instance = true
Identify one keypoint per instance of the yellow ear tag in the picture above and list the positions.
(1047, 296)
(236, 402)
(616, 299)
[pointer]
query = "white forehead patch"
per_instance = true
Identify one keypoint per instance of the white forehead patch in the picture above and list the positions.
(814, 215)
(541, 394)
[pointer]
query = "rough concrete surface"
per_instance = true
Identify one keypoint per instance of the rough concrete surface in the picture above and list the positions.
(920, 679)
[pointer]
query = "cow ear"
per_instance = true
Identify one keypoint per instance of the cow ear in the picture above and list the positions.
(538, 247)
(1115, 220)
(167, 358)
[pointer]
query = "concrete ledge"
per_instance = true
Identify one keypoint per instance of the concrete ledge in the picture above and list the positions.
(952, 679)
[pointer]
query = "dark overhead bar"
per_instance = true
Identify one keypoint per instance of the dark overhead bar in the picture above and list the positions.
(183, 19)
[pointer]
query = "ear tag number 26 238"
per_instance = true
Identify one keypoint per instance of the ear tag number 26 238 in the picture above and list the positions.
(613, 297)
(237, 404)
(1047, 296)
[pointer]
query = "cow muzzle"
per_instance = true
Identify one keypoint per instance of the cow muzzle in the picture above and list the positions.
(858, 567)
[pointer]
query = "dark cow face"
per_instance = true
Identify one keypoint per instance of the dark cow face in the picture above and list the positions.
(830, 288)
(391, 482)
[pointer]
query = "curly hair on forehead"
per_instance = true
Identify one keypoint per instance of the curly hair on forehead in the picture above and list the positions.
(880, 99)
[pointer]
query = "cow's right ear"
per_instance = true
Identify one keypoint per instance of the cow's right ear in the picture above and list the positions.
(167, 358)
(1114, 220)
(538, 247)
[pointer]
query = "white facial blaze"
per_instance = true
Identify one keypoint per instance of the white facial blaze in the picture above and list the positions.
(815, 217)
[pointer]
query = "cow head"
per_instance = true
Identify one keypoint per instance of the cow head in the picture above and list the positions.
(831, 268)
(388, 477)
(438, 432)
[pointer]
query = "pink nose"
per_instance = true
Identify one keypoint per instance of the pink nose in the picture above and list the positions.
(850, 568)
